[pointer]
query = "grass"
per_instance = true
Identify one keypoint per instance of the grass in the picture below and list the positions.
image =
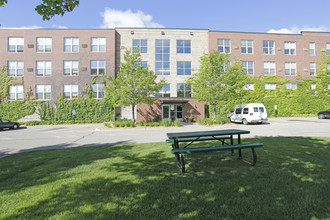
(290, 181)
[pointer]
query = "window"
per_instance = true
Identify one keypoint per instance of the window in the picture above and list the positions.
(71, 44)
(183, 46)
(238, 111)
(43, 92)
(142, 44)
(162, 57)
(311, 49)
(290, 48)
(164, 92)
(248, 66)
(313, 86)
(144, 64)
(98, 90)
(183, 90)
(246, 46)
(223, 45)
(98, 44)
(71, 68)
(328, 49)
(245, 111)
(97, 67)
(44, 68)
(70, 91)
(183, 68)
(270, 86)
(15, 68)
(312, 69)
(16, 44)
(249, 86)
(269, 68)
(290, 68)
(328, 86)
(15, 92)
(269, 47)
(291, 86)
(44, 44)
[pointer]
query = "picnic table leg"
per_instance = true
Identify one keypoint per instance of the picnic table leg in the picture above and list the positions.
(239, 150)
(231, 143)
(175, 145)
(254, 157)
(183, 165)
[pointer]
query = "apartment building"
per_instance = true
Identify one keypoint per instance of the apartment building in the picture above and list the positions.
(48, 62)
(173, 54)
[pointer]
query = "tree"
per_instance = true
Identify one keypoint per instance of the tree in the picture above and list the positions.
(134, 84)
(49, 8)
(216, 81)
(4, 83)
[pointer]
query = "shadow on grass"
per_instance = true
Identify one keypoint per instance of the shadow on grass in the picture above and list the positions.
(290, 180)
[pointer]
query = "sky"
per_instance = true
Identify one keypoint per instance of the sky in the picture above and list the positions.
(277, 16)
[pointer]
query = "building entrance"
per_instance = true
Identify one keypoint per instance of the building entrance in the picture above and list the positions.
(172, 112)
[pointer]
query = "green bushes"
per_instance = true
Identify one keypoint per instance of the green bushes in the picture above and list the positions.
(85, 109)
(13, 110)
(129, 123)
(213, 121)
(33, 123)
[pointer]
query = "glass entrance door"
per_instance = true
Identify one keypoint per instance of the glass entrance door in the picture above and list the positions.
(172, 112)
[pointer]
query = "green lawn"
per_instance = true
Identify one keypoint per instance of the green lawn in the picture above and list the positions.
(291, 180)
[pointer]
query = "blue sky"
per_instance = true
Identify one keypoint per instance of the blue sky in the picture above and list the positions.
(285, 16)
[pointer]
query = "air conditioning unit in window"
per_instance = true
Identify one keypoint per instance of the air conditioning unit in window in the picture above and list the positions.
(279, 49)
(305, 49)
(305, 70)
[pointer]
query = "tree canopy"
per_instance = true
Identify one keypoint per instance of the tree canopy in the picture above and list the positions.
(49, 8)
(216, 80)
(134, 84)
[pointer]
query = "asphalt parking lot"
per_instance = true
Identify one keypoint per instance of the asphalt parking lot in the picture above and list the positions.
(65, 136)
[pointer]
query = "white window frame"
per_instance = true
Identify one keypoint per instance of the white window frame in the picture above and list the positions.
(311, 49)
(184, 47)
(292, 86)
(313, 86)
(138, 43)
(268, 67)
(186, 68)
(328, 49)
(290, 68)
(164, 92)
(71, 44)
(312, 69)
(98, 66)
(44, 90)
(45, 67)
(186, 90)
(17, 67)
(223, 44)
(17, 92)
(290, 48)
(162, 57)
(249, 86)
(98, 44)
(98, 90)
(16, 44)
(270, 86)
(44, 44)
(267, 49)
(72, 66)
(248, 66)
(70, 91)
(247, 44)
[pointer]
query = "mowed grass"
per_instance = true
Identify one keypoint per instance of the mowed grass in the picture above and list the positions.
(291, 180)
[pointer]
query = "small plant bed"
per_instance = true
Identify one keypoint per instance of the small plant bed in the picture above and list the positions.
(142, 181)
(129, 123)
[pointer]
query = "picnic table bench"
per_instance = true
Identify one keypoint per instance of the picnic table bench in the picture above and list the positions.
(221, 135)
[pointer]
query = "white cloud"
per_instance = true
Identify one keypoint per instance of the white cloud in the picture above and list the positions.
(59, 27)
(297, 30)
(25, 27)
(115, 18)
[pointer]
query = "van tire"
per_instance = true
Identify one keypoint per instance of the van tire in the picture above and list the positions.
(245, 122)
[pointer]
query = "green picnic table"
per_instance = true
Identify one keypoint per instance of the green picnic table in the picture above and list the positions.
(220, 135)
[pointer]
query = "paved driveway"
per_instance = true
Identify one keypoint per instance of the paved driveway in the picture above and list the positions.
(65, 136)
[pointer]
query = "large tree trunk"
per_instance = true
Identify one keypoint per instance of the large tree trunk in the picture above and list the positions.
(133, 113)
(214, 109)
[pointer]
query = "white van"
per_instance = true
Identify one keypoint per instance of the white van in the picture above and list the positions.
(248, 113)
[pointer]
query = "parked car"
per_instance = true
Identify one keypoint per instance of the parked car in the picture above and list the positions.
(4, 123)
(248, 113)
(324, 114)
